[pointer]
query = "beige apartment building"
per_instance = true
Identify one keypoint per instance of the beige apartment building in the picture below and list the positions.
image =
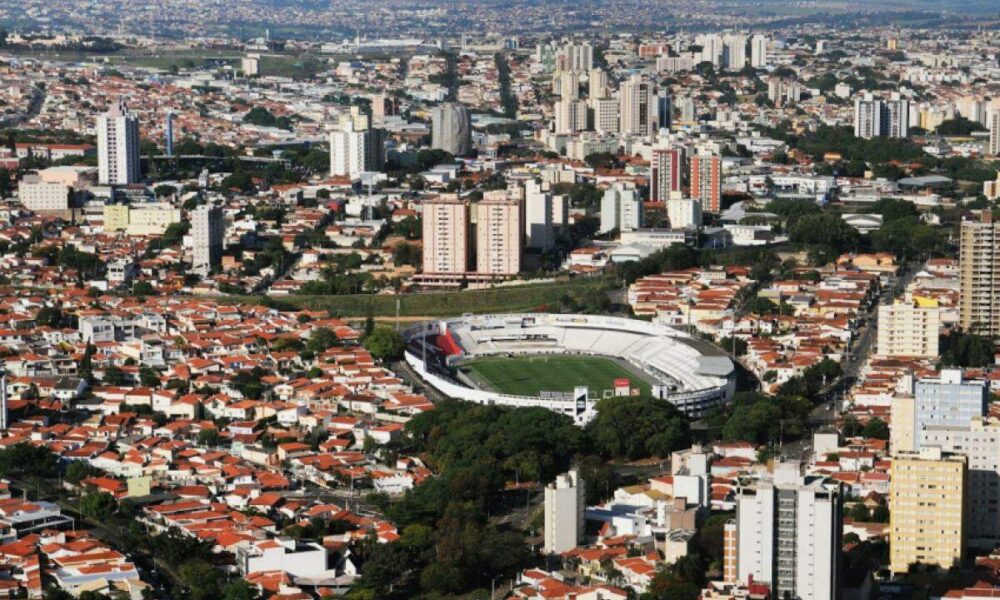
(498, 234)
(909, 327)
(143, 219)
(446, 235)
(979, 276)
(927, 495)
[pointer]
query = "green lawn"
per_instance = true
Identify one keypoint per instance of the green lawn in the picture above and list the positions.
(527, 376)
(530, 297)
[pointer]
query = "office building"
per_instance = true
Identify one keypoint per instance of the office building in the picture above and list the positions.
(207, 231)
(36, 194)
(564, 513)
(789, 534)
(979, 442)
(927, 494)
(451, 129)
(446, 235)
(979, 276)
(946, 401)
(355, 146)
(758, 51)
(539, 231)
(949, 400)
(498, 234)
(868, 113)
(993, 120)
(636, 110)
(909, 327)
(597, 84)
(621, 209)
(684, 213)
(664, 111)
(665, 176)
(735, 52)
(706, 181)
(168, 135)
(118, 146)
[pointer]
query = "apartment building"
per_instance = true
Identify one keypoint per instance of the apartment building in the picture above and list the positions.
(706, 181)
(636, 109)
(498, 234)
(118, 146)
(539, 229)
(684, 213)
(39, 195)
(909, 328)
(665, 175)
(979, 276)
(927, 494)
(979, 442)
(446, 235)
(207, 232)
(564, 513)
(355, 146)
(789, 534)
(142, 219)
(621, 208)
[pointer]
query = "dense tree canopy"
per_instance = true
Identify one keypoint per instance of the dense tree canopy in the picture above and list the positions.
(632, 427)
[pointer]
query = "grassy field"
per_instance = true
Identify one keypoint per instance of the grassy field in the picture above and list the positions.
(527, 376)
(532, 297)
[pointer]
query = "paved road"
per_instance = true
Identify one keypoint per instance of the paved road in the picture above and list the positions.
(830, 398)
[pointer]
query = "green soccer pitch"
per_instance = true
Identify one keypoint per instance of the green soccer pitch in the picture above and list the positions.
(529, 375)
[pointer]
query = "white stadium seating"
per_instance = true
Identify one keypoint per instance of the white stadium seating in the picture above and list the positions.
(693, 375)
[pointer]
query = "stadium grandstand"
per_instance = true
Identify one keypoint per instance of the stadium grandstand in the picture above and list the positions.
(692, 374)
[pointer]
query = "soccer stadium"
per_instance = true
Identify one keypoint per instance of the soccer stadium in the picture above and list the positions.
(567, 362)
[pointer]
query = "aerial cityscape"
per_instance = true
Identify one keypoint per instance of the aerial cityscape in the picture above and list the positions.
(605, 300)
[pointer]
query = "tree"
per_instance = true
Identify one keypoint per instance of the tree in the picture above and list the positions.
(602, 160)
(49, 316)
(825, 229)
(876, 428)
(164, 190)
(629, 427)
(98, 505)
(78, 470)
(201, 579)
(209, 437)
(148, 377)
(142, 289)
(23, 459)
(320, 340)
(113, 376)
(240, 589)
(385, 343)
(859, 512)
(959, 126)
(880, 514)
(967, 350)
(757, 422)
